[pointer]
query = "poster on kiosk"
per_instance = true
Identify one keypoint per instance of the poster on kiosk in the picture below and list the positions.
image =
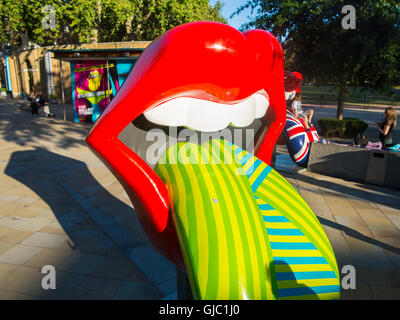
(94, 84)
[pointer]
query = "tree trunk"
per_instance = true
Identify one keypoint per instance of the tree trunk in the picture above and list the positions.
(340, 108)
(128, 28)
(95, 31)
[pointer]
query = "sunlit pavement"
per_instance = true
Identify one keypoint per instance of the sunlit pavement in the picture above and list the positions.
(60, 206)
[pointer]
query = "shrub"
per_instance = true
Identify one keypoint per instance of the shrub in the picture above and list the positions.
(349, 127)
(354, 127)
(331, 127)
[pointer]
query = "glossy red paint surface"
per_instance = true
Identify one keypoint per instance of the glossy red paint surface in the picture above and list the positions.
(299, 76)
(269, 62)
(293, 81)
(203, 60)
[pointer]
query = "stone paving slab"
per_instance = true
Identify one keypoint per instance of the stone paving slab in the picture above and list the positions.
(44, 240)
(156, 268)
(82, 263)
(139, 291)
(19, 254)
(361, 233)
(48, 256)
(5, 269)
(120, 268)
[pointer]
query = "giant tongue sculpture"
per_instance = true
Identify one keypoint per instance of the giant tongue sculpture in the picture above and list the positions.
(236, 227)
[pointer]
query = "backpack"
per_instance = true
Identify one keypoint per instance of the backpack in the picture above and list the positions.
(360, 140)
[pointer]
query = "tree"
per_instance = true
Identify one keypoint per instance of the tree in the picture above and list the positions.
(86, 21)
(75, 21)
(158, 16)
(11, 21)
(317, 45)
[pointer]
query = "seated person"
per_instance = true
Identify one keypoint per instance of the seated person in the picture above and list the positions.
(36, 102)
(34, 105)
(298, 111)
(386, 126)
(23, 95)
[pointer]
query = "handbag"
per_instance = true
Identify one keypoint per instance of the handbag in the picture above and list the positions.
(360, 140)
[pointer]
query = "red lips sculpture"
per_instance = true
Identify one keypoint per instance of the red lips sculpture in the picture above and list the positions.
(202, 60)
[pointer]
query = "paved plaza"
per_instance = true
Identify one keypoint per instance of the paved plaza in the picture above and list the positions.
(60, 206)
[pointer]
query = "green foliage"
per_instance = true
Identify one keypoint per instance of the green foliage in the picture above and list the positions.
(348, 127)
(316, 45)
(85, 21)
(158, 16)
(75, 20)
(332, 127)
(354, 126)
(11, 20)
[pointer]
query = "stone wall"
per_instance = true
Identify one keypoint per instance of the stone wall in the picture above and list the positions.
(355, 163)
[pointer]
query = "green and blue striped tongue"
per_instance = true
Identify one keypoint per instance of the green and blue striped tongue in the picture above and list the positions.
(237, 239)
(219, 226)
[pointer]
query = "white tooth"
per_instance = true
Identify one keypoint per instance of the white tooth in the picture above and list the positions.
(262, 104)
(244, 113)
(161, 114)
(208, 116)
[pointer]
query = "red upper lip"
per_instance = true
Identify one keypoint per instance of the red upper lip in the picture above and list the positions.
(204, 60)
(292, 81)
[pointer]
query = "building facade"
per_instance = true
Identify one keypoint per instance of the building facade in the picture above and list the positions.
(58, 72)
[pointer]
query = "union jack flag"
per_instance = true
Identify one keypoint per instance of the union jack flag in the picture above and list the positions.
(297, 139)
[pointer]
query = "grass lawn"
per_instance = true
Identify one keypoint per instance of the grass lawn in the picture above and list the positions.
(312, 94)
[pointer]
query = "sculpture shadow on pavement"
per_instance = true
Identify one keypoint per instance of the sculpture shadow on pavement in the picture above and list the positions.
(87, 245)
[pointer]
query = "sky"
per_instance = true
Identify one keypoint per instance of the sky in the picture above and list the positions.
(229, 8)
